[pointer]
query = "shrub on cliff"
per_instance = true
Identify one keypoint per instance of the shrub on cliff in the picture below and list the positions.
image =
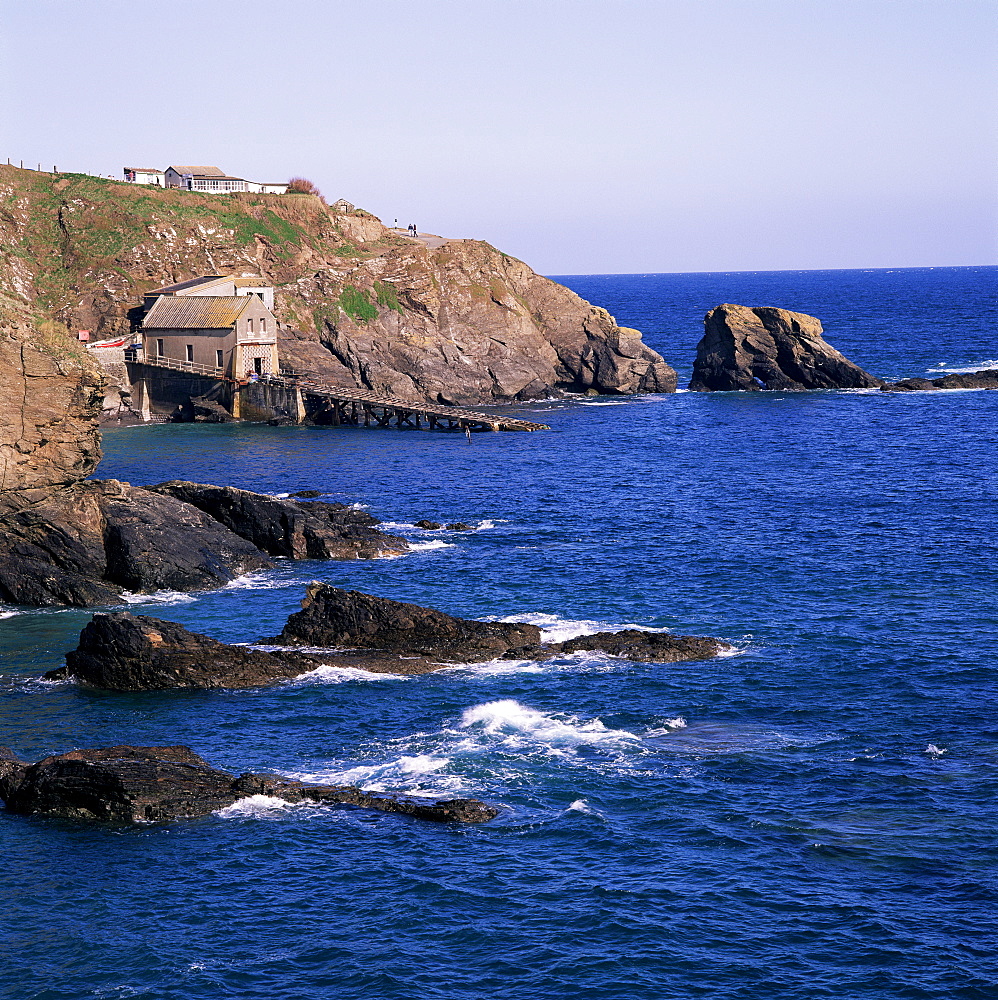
(302, 185)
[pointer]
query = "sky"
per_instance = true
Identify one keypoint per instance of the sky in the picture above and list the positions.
(619, 136)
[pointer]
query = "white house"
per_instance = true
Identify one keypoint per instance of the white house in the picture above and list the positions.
(145, 175)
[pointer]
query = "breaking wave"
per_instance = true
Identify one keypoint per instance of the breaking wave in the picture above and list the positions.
(942, 367)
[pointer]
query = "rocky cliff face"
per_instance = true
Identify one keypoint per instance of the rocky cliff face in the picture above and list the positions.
(50, 395)
(425, 319)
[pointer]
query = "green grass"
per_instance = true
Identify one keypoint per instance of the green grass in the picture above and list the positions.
(387, 295)
(355, 303)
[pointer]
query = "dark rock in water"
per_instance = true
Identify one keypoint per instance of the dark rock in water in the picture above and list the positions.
(458, 526)
(125, 652)
(307, 494)
(287, 527)
(768, 348)
(208, 411)
(83, 544)
(634, 644)
(428, 525)
(282, 421)
(909, 385)
(986, 379)
(156, 784)
(334, 617)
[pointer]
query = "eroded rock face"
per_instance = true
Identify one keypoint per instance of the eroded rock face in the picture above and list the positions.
(985, 379)
(287, 527)
(332, 617)
(50, 404)
(127, 784)
(768, 348)
(84, 544)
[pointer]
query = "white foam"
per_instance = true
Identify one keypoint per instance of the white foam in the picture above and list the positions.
(158, 597)
(509, 717)
(668, 726)
(342, 675)
(430, 546)
(260, 580)
(255, 807)
(933, 751)
(969, 369)
(10, 614)
(557, 629)
(422, 774)
(580, 806)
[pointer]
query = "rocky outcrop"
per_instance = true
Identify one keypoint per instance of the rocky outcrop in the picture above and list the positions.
(125, 652)
(332, 617)
(425, 319)
(85, 544)
(630, 644)
(290, 528)
(767, 348)
(127, 784)
(50, 401)
(985, 379)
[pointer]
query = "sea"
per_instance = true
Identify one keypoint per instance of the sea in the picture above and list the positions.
(812, 815)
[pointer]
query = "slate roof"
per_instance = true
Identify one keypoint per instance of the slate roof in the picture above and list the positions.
(199, 171)
(196, 312)
(205, 279)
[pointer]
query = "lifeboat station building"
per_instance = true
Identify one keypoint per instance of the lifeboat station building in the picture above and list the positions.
(215, 322)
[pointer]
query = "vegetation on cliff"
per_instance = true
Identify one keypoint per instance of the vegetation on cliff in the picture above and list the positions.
(425, 319)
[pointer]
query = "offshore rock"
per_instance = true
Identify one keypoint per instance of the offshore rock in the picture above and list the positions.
(125, 652)
(288, 527)
(631, 644)
(85, 544)
(333, 617)
(768, 348)
(127, 784)
(985, 379)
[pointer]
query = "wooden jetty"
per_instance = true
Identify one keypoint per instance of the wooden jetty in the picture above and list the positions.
(358, 407)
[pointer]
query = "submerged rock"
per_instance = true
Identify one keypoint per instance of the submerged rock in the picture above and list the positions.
(768, 348)
(631, 644)
(127, 784)
(985, 379)
(288, 527)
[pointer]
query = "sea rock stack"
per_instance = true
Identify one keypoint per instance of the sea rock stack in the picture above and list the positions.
(767, 348)
(127, 784)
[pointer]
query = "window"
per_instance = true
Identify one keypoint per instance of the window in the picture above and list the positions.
(249, 326)
(263, 326)
(160, 352)
(219, 359)
(190, 352)
(258, 365)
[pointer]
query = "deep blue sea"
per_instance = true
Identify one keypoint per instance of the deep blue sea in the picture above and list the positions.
(814, 816)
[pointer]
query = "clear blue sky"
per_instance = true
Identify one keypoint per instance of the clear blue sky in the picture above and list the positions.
(612, 136)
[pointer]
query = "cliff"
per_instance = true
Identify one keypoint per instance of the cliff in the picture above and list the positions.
(426, 319)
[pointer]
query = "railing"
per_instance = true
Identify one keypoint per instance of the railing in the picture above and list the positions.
(136, 356)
